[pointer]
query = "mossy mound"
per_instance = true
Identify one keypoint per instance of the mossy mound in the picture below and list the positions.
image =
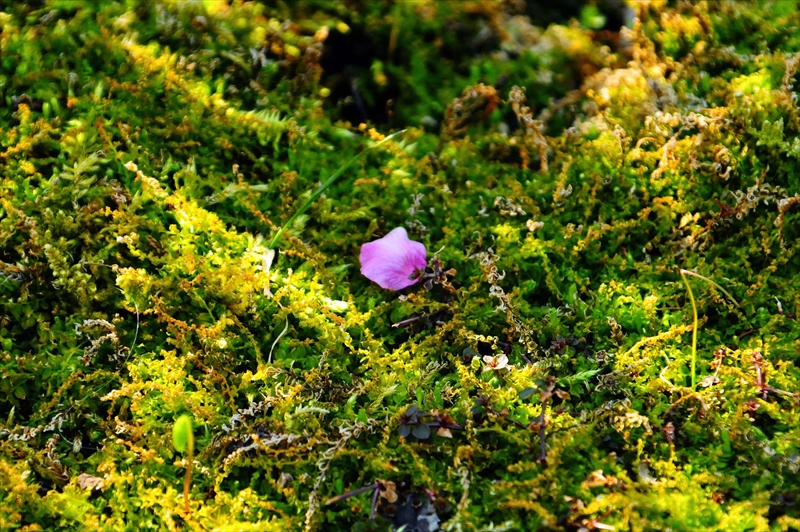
(566, 175)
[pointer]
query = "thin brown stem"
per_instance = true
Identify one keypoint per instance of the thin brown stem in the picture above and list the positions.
(375, 501)
(353, 493)
(542, 425)
(511, 419)
(187, 482)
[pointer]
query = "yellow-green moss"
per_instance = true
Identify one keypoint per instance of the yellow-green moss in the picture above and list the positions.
(149, 150)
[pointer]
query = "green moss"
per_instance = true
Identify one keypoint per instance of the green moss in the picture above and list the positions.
(566, 174)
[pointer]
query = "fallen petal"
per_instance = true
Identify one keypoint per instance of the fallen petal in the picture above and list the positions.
(391, 261)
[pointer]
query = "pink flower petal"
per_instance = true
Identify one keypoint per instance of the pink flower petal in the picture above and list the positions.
(391, 260)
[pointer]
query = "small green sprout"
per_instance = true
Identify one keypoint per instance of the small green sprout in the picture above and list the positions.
(183, 441)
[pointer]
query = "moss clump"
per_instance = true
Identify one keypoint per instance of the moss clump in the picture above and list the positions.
(150, 150)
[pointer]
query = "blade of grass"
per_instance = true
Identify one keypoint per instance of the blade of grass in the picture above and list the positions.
(694, 310)
(694, 329)
(278, 339)
(324, 186)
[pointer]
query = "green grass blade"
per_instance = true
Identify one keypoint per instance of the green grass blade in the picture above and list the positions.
(694, 329)
(694, 309)
(324, 186)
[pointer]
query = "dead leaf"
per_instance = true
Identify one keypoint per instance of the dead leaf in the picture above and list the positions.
(389, 491)
(708, 381)
(595, 479)
(90, 482)
(444, 432)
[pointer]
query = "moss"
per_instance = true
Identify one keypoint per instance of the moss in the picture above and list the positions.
(565, 174)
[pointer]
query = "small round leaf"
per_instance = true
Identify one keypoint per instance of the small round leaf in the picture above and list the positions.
(422, 431)
(527, 392)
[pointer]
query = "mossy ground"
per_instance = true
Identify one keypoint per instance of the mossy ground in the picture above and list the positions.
(149, 150)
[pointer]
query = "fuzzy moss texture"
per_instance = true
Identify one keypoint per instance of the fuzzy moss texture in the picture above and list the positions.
(567, 173)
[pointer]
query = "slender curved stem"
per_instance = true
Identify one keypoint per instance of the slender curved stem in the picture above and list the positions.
(694, 328)
(187, 481)
(706, 279)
